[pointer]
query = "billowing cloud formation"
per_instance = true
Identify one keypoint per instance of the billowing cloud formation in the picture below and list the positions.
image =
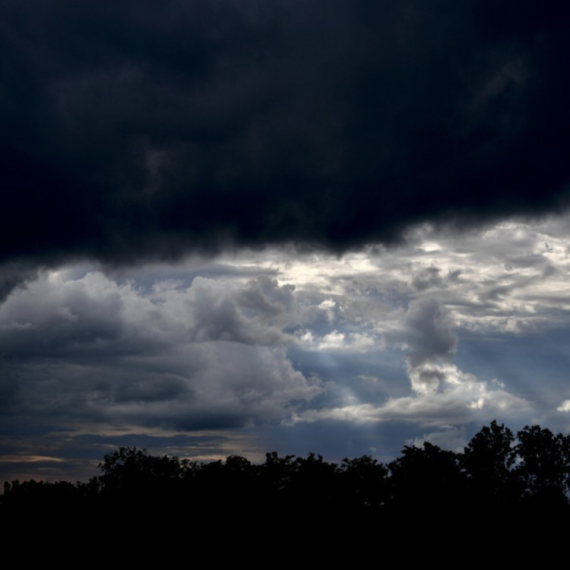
(206, 355)
(295, 352)
(142, 129)
(429, 340)
(442, 393)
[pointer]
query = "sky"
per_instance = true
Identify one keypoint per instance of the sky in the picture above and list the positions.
(242, 226)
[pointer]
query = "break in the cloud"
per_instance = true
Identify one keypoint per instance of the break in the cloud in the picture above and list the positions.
(278, 350)
(140, 130)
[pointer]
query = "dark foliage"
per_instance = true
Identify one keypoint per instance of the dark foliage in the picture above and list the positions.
(497, 475)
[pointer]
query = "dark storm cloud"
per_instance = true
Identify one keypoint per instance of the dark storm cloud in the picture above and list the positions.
(142, 129)
(13, 273)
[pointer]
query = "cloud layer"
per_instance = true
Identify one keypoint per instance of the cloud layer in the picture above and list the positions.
(276, 350)
(141, 130)
(201, 356)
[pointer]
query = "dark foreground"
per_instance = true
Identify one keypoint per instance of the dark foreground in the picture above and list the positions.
(500, 485)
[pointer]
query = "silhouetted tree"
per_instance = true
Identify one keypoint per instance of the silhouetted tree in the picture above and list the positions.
(488, 461)
(144, 484)
(497, 478)
(427, 478)
(544, 467)
(313, 484)
(364, 482)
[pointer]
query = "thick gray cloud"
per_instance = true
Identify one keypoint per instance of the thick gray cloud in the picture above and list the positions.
(202, 356)
(430, 340)
(141, 129)
(428, 332)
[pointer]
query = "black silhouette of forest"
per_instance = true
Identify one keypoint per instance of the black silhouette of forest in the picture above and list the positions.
(500, 478)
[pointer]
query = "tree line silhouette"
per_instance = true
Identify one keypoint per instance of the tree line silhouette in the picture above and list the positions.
(498, 475)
